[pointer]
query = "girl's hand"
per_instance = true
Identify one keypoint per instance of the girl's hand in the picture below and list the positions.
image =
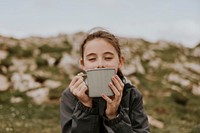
(113, 102)
(79, 89)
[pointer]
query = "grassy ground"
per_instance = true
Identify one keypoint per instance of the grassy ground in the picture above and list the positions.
(180, 112)
(26, 117)
(176, 117)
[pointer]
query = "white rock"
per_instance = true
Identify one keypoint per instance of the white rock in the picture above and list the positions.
(3, 54)
(49, 59)
(126, 51)
(155, 123)
(140, 69)
(176, 88)
(179, 80)
(16, 99)
(196, 89)
(181, 69)
(4, 84)
(134, 80)
(196, 52)
(193, 66)
(178, 67)
(23, 65)
(162, 45)
(69, 64)
(23, 82)
(148, 55)
(39, 96)
(52, 84)
(134, 66)
(129, 70)
(155, 63)
(3, 69)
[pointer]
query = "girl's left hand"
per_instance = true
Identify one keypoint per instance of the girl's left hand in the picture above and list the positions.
(113, 102)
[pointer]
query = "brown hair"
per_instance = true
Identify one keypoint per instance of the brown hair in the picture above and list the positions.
(108, 37)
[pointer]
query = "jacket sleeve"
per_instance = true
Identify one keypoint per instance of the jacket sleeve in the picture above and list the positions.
(75, 117)
(135, 121)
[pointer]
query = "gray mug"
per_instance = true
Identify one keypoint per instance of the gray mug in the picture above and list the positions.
(98, 81)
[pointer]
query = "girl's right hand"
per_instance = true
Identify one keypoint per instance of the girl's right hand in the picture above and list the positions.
(78, 88)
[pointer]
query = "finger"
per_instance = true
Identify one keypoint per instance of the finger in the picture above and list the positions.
(120, 81)
(106, 98)
(116, 83)
(76, 86)
(114, 89)
(81, 88)
(82, 91)
(78, 82)
(74, 80)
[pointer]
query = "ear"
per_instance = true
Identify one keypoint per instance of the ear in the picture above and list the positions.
(82, 64)
(121, 62)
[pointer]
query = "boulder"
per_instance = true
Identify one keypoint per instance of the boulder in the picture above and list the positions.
(196, 52)
(52, 84)
(155, 123)
(23, 82)
(3, 55)
(148, 55)
(69, 65)
(156, 63)
(39, 96)
(4, 83)
(193, 67)
(16, 99)
(175, 78)
(23, 65)
(196, 90)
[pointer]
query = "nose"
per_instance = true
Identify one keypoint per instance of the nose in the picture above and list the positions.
(101, 63)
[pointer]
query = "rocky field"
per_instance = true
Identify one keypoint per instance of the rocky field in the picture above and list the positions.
(34, 71)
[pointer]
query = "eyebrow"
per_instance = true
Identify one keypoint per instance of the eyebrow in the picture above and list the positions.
(90, 54)
(109, 53)
(93, 54)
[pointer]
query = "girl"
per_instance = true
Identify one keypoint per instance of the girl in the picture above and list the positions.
(121, 113)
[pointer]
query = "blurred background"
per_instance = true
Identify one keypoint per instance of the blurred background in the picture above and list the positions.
(39, 53)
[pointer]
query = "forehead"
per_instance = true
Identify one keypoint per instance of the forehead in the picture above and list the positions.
(98, 45)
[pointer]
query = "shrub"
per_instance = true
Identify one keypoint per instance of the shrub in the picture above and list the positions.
(49, 49)
(41, 62)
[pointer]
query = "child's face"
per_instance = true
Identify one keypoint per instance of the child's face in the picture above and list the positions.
(100, 54)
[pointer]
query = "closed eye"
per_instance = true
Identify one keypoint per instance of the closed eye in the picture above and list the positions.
(92, 59)
(108, 58)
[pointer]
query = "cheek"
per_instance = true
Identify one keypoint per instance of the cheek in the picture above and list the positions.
(89, 65)
(114, 64)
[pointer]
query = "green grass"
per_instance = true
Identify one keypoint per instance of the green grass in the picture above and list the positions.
(26, 117)
(176, 117)
(180, 112)
(49, 49)
(18, 51)
(170, 54)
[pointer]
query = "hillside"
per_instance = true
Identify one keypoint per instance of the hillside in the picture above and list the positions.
(34, 71)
